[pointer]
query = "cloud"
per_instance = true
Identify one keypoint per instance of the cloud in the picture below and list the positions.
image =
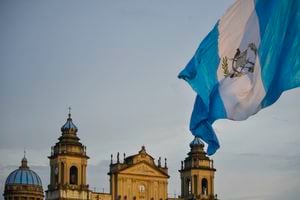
(276, 162)
(255, 175)
(251, 197)
(97, 177)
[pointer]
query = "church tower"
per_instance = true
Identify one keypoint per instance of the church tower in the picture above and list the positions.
(68, 162)
(197, 174)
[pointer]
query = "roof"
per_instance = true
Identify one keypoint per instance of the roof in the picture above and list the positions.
(196, 142)
(23, 176)
(155, 168)
(69, 125)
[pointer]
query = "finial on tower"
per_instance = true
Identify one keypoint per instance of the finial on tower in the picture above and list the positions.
(143, 150)
(159, 162)
(69, 126)
(69, 108)
(24, 161)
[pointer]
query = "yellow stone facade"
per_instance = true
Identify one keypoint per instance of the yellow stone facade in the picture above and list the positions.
(100, 196)
(68, 162)
(138, 178)
(197, 174)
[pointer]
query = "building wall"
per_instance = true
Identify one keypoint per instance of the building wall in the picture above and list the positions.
(23, 191)
(63, 172)
(101, 196)
(141, 187)
(198, 175)
(139, 178)
(68, 194)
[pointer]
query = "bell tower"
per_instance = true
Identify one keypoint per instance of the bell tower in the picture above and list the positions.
(197, 174)
(68, 162)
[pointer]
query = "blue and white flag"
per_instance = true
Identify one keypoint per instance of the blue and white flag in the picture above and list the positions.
(244, 64)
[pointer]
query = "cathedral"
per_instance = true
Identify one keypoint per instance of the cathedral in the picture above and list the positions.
(136, 177)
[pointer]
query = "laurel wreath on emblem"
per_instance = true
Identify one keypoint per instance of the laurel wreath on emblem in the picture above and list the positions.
(241, 64)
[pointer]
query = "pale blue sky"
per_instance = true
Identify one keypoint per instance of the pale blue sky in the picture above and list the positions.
(116, 64)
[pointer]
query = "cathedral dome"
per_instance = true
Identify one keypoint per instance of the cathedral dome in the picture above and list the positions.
(23, 183)
(23, 176)
(196, 142)
(69, 126)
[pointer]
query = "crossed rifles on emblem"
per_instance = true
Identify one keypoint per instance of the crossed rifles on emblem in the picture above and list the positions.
(241, 63)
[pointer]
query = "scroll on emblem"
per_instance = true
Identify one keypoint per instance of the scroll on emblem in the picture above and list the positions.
(242, 63)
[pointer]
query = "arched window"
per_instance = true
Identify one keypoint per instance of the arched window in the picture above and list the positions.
(142, 188)
(55, 177)
(204, 186)
(62, 174)
(73, 175)
(189, 186)
(195, 184)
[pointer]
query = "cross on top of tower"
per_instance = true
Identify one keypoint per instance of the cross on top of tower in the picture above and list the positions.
(69, 108)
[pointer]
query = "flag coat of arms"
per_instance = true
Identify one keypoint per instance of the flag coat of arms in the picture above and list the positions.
(244, 64)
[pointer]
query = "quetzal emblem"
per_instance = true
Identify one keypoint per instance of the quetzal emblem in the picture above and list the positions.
(242, 63)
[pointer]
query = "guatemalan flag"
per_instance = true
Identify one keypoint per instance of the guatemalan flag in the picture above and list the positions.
(244, 64)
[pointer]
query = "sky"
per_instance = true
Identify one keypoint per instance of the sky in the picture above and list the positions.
(116, 64)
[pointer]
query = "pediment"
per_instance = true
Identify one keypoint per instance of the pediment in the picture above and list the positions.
(143, 169)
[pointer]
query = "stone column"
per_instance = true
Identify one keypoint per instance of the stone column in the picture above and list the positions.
(182, 187)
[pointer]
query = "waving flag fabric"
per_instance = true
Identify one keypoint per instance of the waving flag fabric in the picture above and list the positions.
(244, 64)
